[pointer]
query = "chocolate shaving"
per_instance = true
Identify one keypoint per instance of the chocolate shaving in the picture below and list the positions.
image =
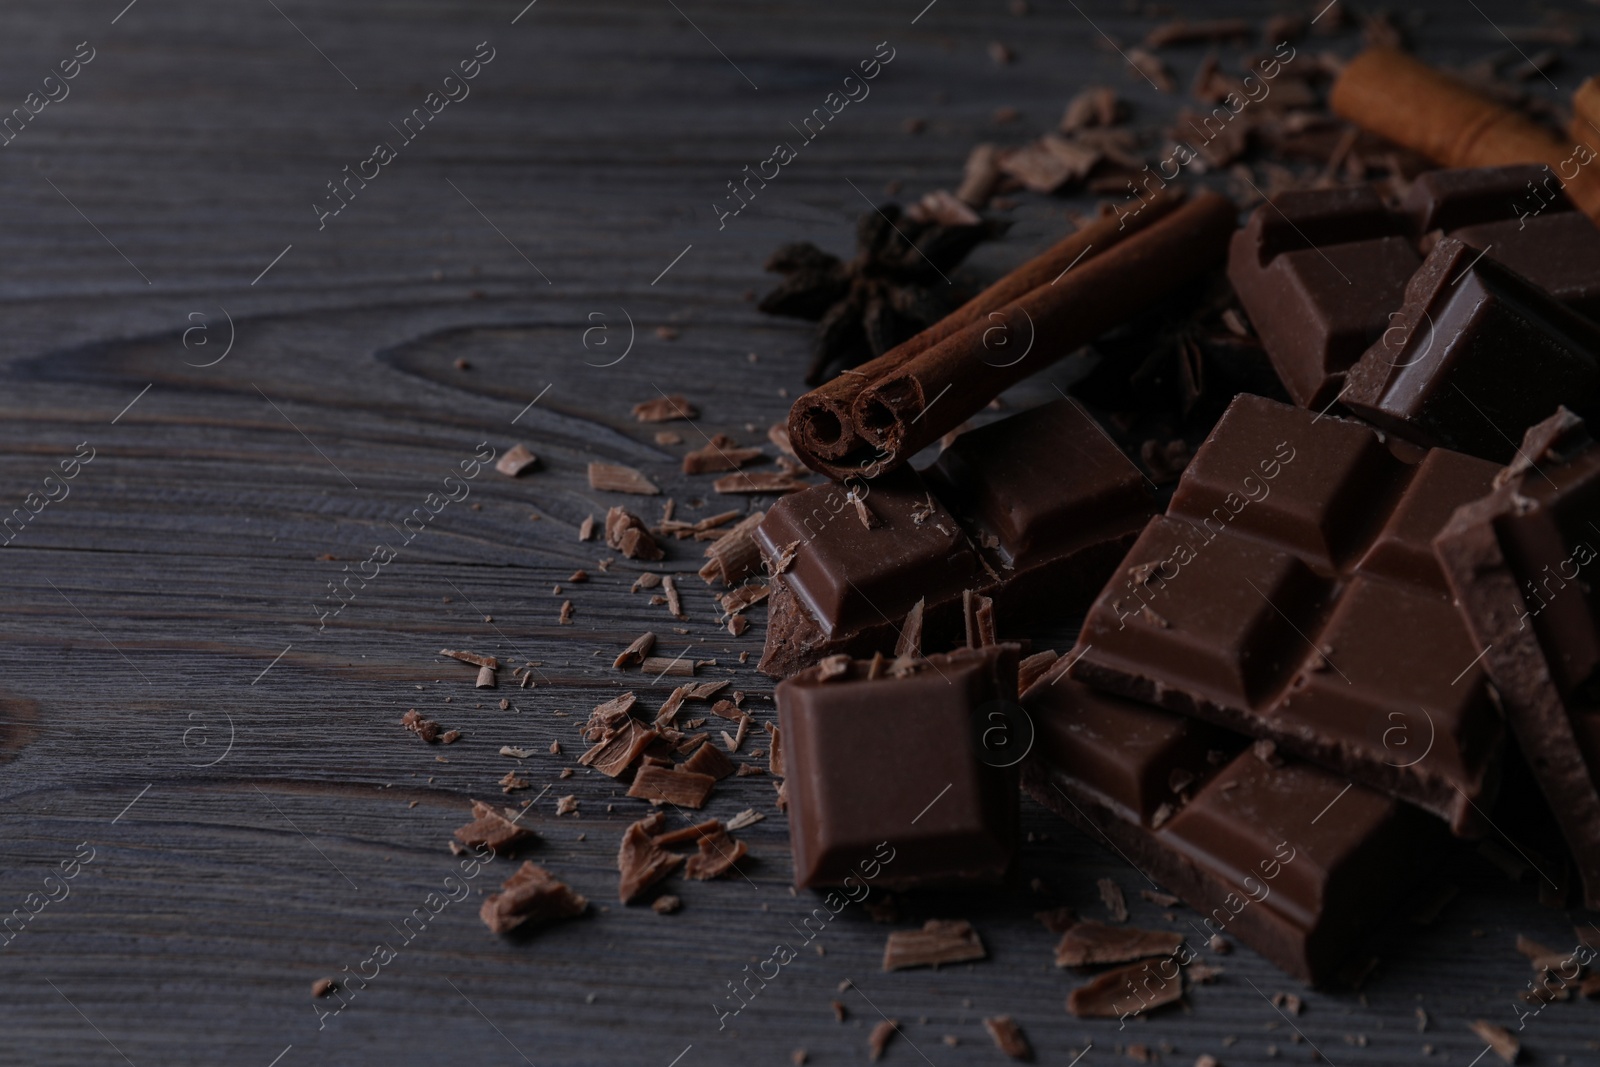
(627, 533)
(1034, 667)
(1149, 65)
(734, 556)
(471, 657)
(1057, 920)
(939, 941)
(494, 829)
(606, 716)
(758, 482)
(532, 895)
(745, 596)
(565, 617)
(778, 434)
(613, 756)
(1008, 1037)
(1498, 1038)
(665, 409)
(686, 789)
(669, 586)
(868, 517)
(688, 833)
(673, 704)
(586, 528)
(1184, 32)
(665, 904)
(878, 1040)
(747, 817)
(641, 861)
(709, 760)
(517, 459)
(775, 757)
(647, 580)
(512, 782)
(735, 741)
(910, 641)
(1094, 106)
(485, 678)
(677, 667)
(1111, 894)
(614, 478)
(1165, 900)
(718, 855)
(636, 652)
(1126, 990)
(721, 453)
(979, 611)
(981, 176)
(566, 805)
(1088, 943)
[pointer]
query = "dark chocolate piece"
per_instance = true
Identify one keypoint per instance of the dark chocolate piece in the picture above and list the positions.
(1318, 271)
(1476, 356)
(1289, 594)
(1033, 511)
(1289, 858)
(886, 781)
(1517, 561)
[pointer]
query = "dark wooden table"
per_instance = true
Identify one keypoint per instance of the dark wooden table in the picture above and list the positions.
(266, 400)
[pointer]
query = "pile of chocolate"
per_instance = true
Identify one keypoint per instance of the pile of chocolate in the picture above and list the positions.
(1361, 625)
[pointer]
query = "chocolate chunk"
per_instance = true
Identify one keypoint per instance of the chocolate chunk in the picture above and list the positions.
(939, 941)
(532, 895)
(641, 861)
(1319, 271)
(495, 830)
(1292, 860)
(886, 778)
(613, 756)
(1089, 943)
(1476, 355)
(686, 789)
(708, 759)
(1295, 603)
(1048, 494)
(719, 853)
(1518, 561)
(627, 533)
(1126, 991)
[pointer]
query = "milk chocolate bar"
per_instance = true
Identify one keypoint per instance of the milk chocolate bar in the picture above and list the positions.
(1475, 356)
(1290, 593)
(1519, 561)
(887, 781)
(1287, 857)
(1033, 511)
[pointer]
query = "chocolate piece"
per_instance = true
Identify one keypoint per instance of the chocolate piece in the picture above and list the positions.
(685, 789)
(1319, 271)
(939, 941)
(1130, 990)
(1288, 594)
(1288, 858)
(885, 778)
(1088, 943)
(1032, 511)
(1476, 356)
(1516, 561)
(495, 830)
(719, 854)
(641, 862)
(1008, 1037)
(532, 895)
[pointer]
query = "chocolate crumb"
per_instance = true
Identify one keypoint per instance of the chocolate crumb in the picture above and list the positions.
(323, 986)
(516, 459)
(565, 618)
(496, 830)
(666, 904)
(1498, 1038)
(840, 1012)
(1008, 1037)
(665, 409)
(879, 1038)
(1111, 894)
(1089, 943)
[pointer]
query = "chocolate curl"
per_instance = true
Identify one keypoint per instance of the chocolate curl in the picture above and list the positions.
(1585, 127)
(941, 387)
(821, 430)
(1411, 104)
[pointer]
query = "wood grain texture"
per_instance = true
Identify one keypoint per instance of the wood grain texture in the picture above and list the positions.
(161, 645)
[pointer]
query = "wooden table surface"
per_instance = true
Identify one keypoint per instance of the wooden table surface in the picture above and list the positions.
(266, 397)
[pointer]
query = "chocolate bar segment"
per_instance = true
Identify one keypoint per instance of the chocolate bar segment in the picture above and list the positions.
(1520, 561)
(1289, 858)
(887, 767)
(1476, 356)
(1318, 271)
(1033, 511)
(1281, 596)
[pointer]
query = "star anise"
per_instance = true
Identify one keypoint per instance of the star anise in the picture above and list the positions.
(895, 287)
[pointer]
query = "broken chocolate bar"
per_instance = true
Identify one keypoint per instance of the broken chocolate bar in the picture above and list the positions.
(1287, 857)
(887, 782)
(1033, 511)
(1516, 561)
(1290, 593)
(1476, 355)
(1318, 271)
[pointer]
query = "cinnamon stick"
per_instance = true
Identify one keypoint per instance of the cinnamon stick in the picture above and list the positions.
(934, 392)
(820, 429)
(1408, 102)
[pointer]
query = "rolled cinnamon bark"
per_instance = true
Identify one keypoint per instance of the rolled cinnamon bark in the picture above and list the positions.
(943, 385)
(820, 427)
(1412, 104)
